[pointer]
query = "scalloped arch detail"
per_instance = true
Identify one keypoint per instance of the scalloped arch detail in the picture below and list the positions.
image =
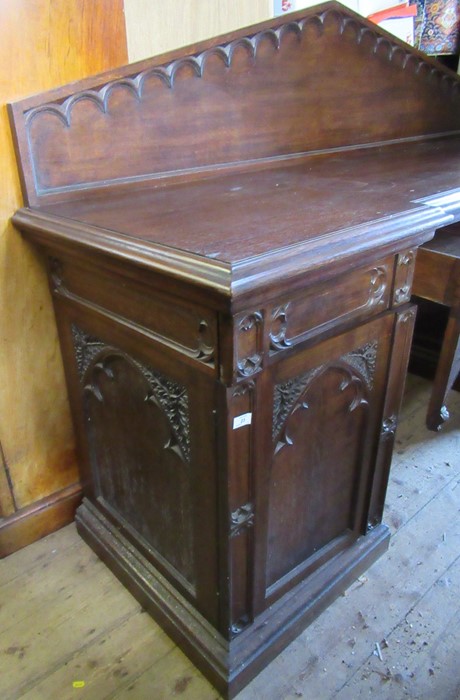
(167, 72)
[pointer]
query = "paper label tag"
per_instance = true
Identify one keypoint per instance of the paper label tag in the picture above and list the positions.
(240, 421)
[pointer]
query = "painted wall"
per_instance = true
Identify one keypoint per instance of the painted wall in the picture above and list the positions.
(44, 43)
(154, 27)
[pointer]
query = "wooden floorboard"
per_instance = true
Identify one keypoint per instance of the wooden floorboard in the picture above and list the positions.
(394, 635)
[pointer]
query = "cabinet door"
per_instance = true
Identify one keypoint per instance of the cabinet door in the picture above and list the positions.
(145, 428)
(314, 482)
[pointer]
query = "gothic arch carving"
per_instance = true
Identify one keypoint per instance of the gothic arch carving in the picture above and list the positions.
(93, 356)
(357, 368)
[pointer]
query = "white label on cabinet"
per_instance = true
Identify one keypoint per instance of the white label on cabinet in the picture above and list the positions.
(240, 421)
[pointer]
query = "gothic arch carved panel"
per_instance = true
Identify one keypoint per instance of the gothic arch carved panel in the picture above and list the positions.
(315, 477)
(138, 436)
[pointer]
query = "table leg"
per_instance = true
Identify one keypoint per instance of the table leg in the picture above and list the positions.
(446, 373)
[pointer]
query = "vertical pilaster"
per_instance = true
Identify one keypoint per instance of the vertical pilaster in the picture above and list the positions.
(402, 338)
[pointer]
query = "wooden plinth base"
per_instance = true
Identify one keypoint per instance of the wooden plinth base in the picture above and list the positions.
(228, 665)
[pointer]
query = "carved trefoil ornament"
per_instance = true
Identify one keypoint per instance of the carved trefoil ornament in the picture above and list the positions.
(165, 393)
(405, 265)
(205, 351)
(244, 388)
(406, 259)
(249, 340)
(56, 271)
(406, 316)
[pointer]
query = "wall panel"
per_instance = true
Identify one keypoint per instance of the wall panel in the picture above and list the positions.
(44, 43)
(156, 27)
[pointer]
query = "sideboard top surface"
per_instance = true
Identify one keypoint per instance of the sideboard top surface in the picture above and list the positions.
(270, 151)
(239, 216)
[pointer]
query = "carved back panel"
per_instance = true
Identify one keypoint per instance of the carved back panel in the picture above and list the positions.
(323, 78)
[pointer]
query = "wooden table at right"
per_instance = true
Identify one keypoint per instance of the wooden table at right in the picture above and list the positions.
(437, 278)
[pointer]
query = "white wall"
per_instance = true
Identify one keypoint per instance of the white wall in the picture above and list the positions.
(156, 26)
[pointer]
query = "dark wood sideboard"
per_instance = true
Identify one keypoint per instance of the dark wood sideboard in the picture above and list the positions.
(230, 231)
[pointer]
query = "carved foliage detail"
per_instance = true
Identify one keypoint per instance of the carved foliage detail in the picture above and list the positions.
(377, 286)
(172, 398)
(278, 329)
(87, 347)
(389, 425)
(241, 519)
(363, 360)
(285, 397)
(358, 368)
(166, 394)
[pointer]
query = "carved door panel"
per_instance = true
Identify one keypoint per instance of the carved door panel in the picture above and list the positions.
(139, 436)
(146, 431)
(327, 405)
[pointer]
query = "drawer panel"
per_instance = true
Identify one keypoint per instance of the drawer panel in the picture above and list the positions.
(178, 326)
(359, 294)
(432, 276)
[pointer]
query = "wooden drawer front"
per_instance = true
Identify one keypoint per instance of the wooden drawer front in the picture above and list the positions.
(432, 276)
(355, 295)
(180, 327)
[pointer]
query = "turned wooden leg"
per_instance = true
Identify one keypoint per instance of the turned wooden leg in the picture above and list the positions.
(446, 373)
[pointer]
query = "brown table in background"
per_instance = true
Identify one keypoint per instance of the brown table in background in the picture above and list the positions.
(437, 278)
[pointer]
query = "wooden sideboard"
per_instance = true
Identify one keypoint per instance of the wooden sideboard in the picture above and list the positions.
(230, 232)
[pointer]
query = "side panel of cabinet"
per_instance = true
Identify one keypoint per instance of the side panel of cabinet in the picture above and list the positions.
(146, 434)
(323, 409)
